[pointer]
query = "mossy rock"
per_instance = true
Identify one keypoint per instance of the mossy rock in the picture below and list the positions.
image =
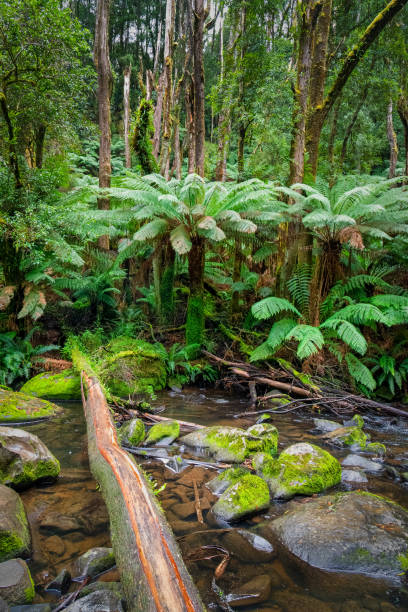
(16, 584)
(249, 495)
(130, 366)
(163, 433)
(232, 444)
(132, 432)
(95, 561)
(65, 385)
(301, 469)
(15, 539)
(17, 407)
(24, 459)
(224, 480)
(350, 436)
(377, 448)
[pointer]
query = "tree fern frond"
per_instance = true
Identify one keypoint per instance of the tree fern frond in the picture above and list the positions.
(348, 333)
(359, 372)
(271, 306)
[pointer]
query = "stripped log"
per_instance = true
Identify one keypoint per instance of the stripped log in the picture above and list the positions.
(153, 574)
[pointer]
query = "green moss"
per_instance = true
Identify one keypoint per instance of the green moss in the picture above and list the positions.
(353, 435)
(227, 478)
(132, 432)
(302, 469)
(358, 421)
(267, 441)
(11, 546)
(64, 385)
(195, 320)
(33, 471)
(377, 448)
(29, 592)
(19, 407)
(167, 429)
(304, 378)
(247, 496)
(166, 293)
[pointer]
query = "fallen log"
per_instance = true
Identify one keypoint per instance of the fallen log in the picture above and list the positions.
(153, 574)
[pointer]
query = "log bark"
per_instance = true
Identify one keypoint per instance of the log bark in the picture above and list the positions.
(153, 574)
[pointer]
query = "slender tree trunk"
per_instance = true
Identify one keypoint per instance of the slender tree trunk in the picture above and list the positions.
(190, 133)
(200, 15)
(39, 145)
(350, 128)
(242, 127)
(392, 140)
(167, 88)
(195, 306)
(224, 119)
(236, 277)
(167, 284)
(103, 67)
(12, 151)
(126, 113)
(403, 113)
(332, 140)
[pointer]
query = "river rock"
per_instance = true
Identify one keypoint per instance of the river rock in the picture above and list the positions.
(132, 432)
(163, 433)
(351, 532)
(356, 477)
(232, 444)
(253, 592)
(17, 407)
(225, 479)
(15, 538)
(64, 385)
(247, 496)
(3, 606)
(301, 469)
(114, 587)
(326, 426)
(102, 599)
(95, 561)
(362, 462)
(352, 436)
(60, 583)
(248, 547)
(45, 607)
(24, 458)
(16, 585)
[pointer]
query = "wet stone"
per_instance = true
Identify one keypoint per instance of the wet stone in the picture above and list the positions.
(95, 561)
(188, 509)
(253, 592)
(353, 477)
(248, 547)
(103, 599)
(15, 539)
(34, 608)
(362, 462)
(113, 587)
(227, 478)
(16, 585)
(60, 583)
(55, 545)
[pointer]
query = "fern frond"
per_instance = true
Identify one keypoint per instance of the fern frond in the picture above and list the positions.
(271, 306)
(359, 372)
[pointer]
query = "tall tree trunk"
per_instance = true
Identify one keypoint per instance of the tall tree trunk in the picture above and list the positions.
(167, 87)
(190, 129)
(126, 113)
(392, 141)
(167, 284)
(403, 113)
(103, 67)
(236, 277)
(350, 128)
(195, 306)
(12, 151)
(242, 127)
(39, 145)
(224, 119)
(200, 15)
(332, 140)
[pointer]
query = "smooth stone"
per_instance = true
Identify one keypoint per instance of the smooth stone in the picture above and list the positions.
(163, 433)
(392, 471)
(63, 385)
(326, 426)
(103, 600)
(404, 476)
(352, 532)
(188, 509)
(17, 407)
(291, 601)
(248, 547)
(95, 561)
(255, 591)
(16, 584)
(225, 479)
(60, 583)
(27, 458)
(246, 497)
(353, 476)
(132, 432)
(113, 587)
(362, 462)
(15, 538)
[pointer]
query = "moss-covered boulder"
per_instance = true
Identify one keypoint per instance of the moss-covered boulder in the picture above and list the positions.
(163, 433)
(301, 469)
(227, 478)
(350, 436)
(16, 584)
(65, 385)
(233, 444)
(349, 532)
(15, 539)
(132, 432)
(95, 561)
(24, 458)
(249, 495)
(376, 448)
(17, 407)
(130, 366)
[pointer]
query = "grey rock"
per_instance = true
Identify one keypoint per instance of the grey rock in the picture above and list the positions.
(34, 608)
(362, 462)
(15, 538)
(248, 547)
(60, 583)
(225, 479)
(114, 587)
(353, 477)
(16, 585)
(28, 458)
(326, 426)
(100, 601)
(95, 561)
(253, 592)
(344, 532)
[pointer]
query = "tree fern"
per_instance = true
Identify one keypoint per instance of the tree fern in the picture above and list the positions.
(310, 340)
(271, 306)
(359, 372)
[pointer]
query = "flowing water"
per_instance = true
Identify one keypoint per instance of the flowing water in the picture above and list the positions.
(69, 517)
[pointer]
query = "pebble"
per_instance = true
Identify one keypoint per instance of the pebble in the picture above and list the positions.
(253, 592)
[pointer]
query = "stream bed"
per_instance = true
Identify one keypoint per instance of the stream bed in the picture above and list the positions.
(69, 517)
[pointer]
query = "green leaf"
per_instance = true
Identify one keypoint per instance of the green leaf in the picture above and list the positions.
(348, 333)
(279, 331)
(359, 371)
(263, 351)
(310, 339)
(151, 230)
(271, 306)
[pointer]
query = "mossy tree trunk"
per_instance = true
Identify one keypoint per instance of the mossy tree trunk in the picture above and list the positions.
(195, 306)
(167, 285)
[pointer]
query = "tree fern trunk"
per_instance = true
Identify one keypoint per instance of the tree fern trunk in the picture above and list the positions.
(195, 306)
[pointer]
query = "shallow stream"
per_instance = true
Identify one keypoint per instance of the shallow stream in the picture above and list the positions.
(69, 517)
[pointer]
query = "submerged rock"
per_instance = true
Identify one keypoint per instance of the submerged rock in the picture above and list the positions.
(16, 584)
(61, 583)
(244, 498)
(102, 599)
(353, 477)
(17, 407)
(64, 385)
(376, 448)
(224, 480)
(350, 436)
(352, 532)
(326, 426)
(362, 462)
(132, 432)
(131, 366)
(164, 433)
(95, 561)
(248, 547)
(301, 469)
(232, 444)
(253, 592)
(24, 458)
(15, 538)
